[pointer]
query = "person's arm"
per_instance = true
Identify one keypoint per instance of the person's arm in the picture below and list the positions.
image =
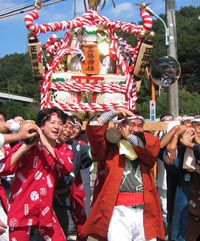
(19, 153)
(171, 150)
(133, 139)
(2, 227)
(176, 165)
(10, 126)
(64, 156)
(168, 137)
(96, 131)
(44, 142)
(59, 158)
(106, 117)
(26, 131)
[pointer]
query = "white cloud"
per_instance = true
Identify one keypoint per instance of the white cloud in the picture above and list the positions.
(122, 9)
(125, 12)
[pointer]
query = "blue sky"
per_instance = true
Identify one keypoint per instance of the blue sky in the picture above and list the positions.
(13, 33)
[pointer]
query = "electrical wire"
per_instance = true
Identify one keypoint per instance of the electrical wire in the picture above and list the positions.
(28, 8)
(10, 7)
(21, 8)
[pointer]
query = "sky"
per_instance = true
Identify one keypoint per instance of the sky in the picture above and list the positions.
(13, 32)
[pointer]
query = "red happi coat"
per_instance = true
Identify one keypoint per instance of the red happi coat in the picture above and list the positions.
(102, 209)
(33, 187)
(3, 195)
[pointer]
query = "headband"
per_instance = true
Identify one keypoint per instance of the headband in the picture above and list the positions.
(130, 118)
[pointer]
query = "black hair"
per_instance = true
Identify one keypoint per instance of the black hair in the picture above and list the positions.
(70, 117)
(3, 114)
(164, 115)
(77, 119)
(45, 114)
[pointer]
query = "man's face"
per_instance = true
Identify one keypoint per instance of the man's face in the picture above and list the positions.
(196, 126)
(187, 123)
(68, 129)
(135, 126)
(52, 127)
(76, 131)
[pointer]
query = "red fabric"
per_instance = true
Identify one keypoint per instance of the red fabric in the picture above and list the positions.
(3, 197)
(33, 187)
(108, 154)
(129, 199)
(23, 233)
(78, 206)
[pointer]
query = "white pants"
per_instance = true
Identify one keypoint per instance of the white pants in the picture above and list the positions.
(163, 200)
(3, 217)
(126, 224)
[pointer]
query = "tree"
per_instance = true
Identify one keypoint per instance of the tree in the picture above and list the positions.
(15, 108)
(16, 75)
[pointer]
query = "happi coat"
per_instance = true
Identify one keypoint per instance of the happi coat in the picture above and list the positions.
(33, 187)
(100, 215)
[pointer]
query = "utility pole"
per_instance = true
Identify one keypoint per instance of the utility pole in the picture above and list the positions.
(76, 13)
(173, 100)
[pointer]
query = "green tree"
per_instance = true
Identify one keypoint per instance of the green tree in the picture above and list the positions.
(16, 75)
(15, 108)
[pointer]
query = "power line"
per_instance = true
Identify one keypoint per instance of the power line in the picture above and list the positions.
(28, 8)
(10, 7)
(20, 9)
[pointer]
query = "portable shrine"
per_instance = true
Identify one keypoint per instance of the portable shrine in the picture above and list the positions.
(91, 68)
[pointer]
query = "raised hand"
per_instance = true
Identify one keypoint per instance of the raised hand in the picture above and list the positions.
(28, 130)
(188, 137)
(124, 113)
(45, 143)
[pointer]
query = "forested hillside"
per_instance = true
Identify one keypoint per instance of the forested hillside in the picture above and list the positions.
(16, 75)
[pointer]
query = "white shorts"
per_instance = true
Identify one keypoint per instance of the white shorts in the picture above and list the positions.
(126, 224)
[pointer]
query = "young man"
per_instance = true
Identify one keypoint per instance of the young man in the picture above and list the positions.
(127, 207)
(37, 165)
(73, 181)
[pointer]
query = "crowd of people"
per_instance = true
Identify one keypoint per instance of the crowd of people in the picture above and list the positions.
(46, 166)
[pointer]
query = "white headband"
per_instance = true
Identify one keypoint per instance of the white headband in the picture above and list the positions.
(134, 117)
(196, 120)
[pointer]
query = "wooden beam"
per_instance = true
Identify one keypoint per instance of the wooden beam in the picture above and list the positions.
(155, 126)
(148, 126)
